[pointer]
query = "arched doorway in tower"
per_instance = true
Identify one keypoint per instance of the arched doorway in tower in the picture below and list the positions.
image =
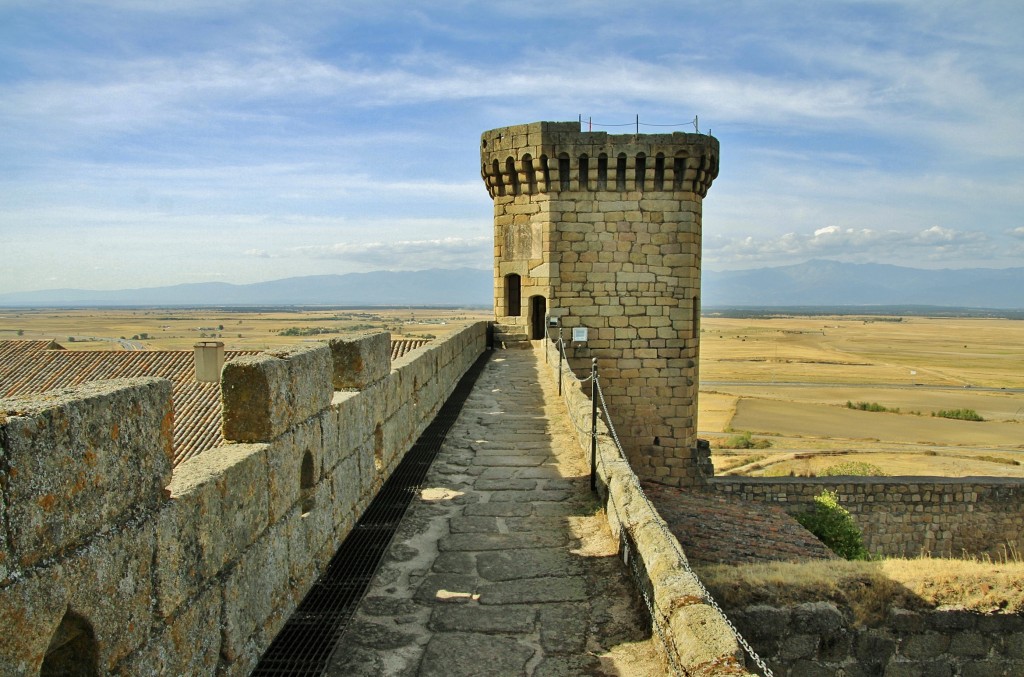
(538, 313)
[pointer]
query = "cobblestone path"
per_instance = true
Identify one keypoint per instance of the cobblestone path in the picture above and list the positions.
(504, 565)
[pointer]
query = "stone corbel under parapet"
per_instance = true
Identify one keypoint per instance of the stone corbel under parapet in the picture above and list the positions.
(549, 157)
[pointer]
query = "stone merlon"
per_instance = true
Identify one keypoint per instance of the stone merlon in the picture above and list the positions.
(78, 459)
(360, 361)
(263, 395)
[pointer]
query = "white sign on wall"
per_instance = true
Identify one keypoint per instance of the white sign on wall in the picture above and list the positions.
(579, 334)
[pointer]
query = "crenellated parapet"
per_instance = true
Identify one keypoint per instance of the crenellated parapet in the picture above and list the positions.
(554, 157)
(113, 563)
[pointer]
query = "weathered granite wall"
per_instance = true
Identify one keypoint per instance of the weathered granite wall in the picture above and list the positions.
(694, 636)
(817, 638)
(109, 559)
(908, 516)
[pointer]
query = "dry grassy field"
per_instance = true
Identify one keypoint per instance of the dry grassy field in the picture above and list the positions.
(239, 329)
(787, 381)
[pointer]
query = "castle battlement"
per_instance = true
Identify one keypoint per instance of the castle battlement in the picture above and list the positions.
(111, 560)
(552, 157)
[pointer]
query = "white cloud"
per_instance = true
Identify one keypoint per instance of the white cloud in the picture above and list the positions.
(259, 254)
(448, 252)
(271, 128)
(914, 248)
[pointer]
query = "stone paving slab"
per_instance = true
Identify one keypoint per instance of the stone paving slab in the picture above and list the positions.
(504, 565)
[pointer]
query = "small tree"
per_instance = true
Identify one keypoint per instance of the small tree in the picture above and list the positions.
(834, 526)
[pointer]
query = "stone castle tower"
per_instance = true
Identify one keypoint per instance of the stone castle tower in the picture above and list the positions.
(604, 232)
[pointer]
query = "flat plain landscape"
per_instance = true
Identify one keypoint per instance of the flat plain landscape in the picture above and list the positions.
(816, 392)
(788, 381)
(242, 328)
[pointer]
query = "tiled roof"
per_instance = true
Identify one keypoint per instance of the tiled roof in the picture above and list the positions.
(400, 347)
(28, 367)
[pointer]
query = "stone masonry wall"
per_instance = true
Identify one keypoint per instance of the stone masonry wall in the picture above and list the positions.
(816, 638)
(692, 635)
(195, 572)
(604, 232)
(908, 516)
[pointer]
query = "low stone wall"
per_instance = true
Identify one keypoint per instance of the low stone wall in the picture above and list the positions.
(695, 637)
(908, 516)
(818, 639)
(109, 559)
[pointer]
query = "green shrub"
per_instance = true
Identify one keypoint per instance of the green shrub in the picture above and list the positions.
(858, 468)
(743, 441)
(998, 459)
(306, 331)
(959, 414)
(834, 526)
(871, 406)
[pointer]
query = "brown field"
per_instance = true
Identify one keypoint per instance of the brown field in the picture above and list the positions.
(175, 329)
(784, 379)
(871, 589)
(788, 379)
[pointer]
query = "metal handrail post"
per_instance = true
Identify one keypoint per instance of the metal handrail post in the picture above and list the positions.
(560, 351)
(593, 424)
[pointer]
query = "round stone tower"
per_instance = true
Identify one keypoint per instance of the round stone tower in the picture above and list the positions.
(603, 232)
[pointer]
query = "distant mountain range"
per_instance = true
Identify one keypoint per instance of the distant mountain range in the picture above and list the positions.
(814, 283)
(460, 287)
(830, 283)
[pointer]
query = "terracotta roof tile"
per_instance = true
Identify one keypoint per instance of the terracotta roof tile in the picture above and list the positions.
(28, 367)
(400, 347)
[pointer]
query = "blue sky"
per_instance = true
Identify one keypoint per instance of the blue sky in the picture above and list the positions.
(146, 143)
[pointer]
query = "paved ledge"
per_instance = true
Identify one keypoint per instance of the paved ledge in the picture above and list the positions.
(714, 530)
(504, 564)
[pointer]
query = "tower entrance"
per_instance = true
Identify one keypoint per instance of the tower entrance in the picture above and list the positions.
(538, 312)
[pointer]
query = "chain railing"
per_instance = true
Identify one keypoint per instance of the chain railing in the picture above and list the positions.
(597, 394)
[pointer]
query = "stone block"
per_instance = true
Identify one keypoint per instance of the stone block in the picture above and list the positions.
(969, 645)
(817, 618)
(329, 435)
(264, 395)
(353, 424)
(396, 392)
(226, 491)
(107, 582)
(188, 644)
(191, 547)
(360, 361)
(925, 645)
(7, 563)
(256, 593)
(702, 638)
(874, 648)
(763, 622)
(345, 484)
(285, 458)
(80, 459)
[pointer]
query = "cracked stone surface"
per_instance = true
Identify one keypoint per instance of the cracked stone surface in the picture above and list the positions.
(504, 565)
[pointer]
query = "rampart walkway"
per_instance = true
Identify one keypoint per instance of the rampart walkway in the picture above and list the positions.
(504, 564)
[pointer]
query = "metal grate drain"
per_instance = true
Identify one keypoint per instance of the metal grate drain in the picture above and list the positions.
(304, 644)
